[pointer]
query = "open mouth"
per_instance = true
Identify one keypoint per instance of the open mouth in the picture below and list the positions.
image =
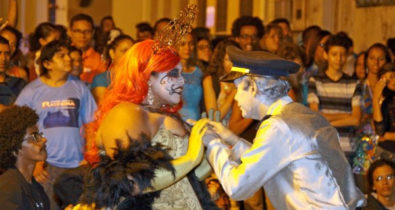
(178, 90)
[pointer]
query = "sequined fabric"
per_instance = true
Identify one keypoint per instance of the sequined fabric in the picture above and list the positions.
(179, 196)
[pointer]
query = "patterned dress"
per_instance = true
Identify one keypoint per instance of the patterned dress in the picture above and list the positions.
(180, 195)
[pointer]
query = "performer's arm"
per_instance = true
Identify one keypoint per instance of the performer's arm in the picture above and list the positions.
(203, 170)
(130, 120)
(266, 156)
(185, 163)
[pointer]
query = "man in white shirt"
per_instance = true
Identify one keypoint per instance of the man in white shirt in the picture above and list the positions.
(295, 155)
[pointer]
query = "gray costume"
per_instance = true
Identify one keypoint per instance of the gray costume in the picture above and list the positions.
(296, 156)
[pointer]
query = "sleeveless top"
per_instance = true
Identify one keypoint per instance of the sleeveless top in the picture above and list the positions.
(192, 94)
(180, 195)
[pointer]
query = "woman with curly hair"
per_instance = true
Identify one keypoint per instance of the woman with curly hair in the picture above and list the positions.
(143, 100)
(21, 147)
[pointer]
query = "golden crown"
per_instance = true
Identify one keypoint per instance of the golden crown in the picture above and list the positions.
(172, 33)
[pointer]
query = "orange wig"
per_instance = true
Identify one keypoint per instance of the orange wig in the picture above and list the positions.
(129, 83)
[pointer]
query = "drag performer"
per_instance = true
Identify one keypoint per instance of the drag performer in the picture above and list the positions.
(295, 155)
(143, 99)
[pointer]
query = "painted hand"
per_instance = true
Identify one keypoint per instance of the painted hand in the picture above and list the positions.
(221, 131)
(212, 115)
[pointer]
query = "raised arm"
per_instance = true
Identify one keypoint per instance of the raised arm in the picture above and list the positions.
(12, 13)
(229, 99)
(210, 100)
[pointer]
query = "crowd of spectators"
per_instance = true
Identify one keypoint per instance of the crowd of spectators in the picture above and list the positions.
(64, 75)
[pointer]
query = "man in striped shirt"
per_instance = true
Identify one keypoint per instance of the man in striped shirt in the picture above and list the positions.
(336, 95)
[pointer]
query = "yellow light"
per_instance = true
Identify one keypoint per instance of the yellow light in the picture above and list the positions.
(239, 69)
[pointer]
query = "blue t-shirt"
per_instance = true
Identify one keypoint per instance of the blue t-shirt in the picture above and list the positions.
(62, 112)
(192, 95)
(101, 80)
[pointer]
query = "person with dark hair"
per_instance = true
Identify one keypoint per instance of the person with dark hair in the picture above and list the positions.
(160, 24)
(81, 33)
(10, 86)
(18, 60)
(107, 24)
(285, 26)
(192, 92)
(247, 31)
(203, 45)
(380, 177)
(76, 61)
(384, 107)
(219, 95)
(64, 105)
(318, 48)
(61, 33)
(295, 155)
(336, 95)
(318, 65)
(376, 56)
(21, 147)
(14, 38)
(374, 59)
(292, 52)
(203, 50)
(309, 37)
(144, 31)
(271, 39)
(115, 51)
(43, 34)
(201, 32)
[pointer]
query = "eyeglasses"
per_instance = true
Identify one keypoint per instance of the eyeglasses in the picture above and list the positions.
(246, 36)
(386, 177)
(84, 32)
(36, 137)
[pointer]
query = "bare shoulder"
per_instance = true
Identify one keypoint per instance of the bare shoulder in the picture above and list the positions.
(175, 126)
(125, 108)
(123, 120)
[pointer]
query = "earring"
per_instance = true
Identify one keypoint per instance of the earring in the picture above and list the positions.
(150, 95)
